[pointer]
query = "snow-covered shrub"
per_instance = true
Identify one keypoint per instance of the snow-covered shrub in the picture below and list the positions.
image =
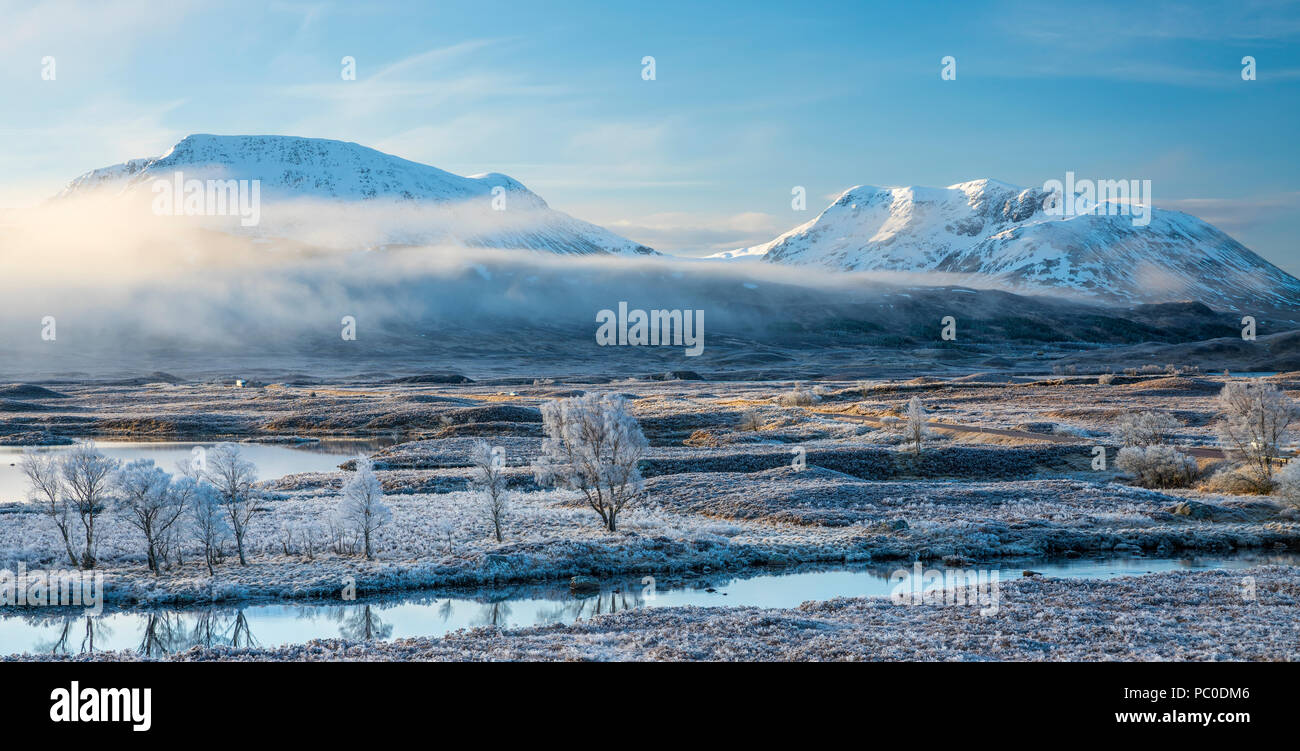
(1145, 428)
(1157, 466)
(797, 397)
(1254, 421)
(152, 501)
(1228, 478)
(1106, 379)
(234, 478)
(594, 446)
(750, 421)
(1288, 483)
(362, 506)
(915, 430)
(488, 479)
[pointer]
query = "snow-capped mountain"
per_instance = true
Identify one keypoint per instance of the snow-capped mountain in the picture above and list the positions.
(1004, 233)
(431, 205)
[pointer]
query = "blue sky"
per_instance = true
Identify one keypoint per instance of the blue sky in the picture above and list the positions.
(750, 99)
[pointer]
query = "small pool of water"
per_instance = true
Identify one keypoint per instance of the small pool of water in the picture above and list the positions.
(273, 460)
(432, 614)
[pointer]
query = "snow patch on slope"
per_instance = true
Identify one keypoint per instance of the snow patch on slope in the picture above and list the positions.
(1001, 231)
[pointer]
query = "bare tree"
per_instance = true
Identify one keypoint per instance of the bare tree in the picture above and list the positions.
(1145, 428)
(1288, 483)
(593, 445)
(45, 476)
(207, 523)
(152, 501)
(489, 481)
(363, 506)
(233, 477)
(1254, 418)
(915, 429)
(86, 476)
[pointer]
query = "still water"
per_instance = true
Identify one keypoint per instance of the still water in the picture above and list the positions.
(432, 613)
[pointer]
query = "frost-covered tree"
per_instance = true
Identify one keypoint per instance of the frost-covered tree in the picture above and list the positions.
(234, 478)
(151, 500)
(87, 476)
(1254, 420)
(45, 476)
(362, 506)
(207, 523)
(1157, 466)
(915, 430)
(1288, 483)
(593, 446)
(488, 478)
(1145, 428)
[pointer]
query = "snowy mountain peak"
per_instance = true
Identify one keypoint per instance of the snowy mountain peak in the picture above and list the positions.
(1002, 232)
(460, 209)
(289, 166)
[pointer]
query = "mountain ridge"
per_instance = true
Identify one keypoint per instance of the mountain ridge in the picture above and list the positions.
(295, 168)
(1002, 232)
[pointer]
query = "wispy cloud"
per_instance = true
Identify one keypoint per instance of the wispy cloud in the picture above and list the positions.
(1234, 215)
(695, 234)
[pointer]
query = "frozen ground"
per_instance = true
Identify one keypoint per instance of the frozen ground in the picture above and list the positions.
(722, 493)
(1252, 614)
(719, 495)
(692, 520)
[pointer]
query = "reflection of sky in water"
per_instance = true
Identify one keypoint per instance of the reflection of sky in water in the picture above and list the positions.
(272, 460)
(422, 614)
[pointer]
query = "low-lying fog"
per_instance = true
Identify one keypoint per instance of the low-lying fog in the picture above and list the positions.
(102, 286)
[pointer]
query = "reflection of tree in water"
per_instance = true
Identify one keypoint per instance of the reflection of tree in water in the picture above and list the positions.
(214, 627)
(94, 627)
(364, 624)
(164, 633)
(67, 628)
(493, 614)
(613, 601)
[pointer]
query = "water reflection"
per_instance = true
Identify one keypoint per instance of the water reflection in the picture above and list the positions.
(161, 632)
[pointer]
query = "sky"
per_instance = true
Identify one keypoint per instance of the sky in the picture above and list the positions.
(749, 99)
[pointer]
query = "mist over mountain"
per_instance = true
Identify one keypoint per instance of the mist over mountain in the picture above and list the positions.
(369, 197)
(1003, 233)
(436, 276)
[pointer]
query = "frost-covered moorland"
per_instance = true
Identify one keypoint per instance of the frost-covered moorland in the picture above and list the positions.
(724, 489)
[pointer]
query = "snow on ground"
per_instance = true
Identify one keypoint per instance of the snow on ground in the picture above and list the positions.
(689, 521)
(1251, 614)
(727, 499)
